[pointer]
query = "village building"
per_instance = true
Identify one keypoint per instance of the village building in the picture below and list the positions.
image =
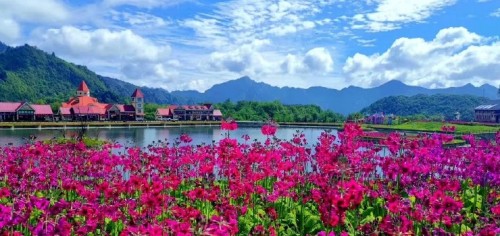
(377, 118)
(85, 107)
(204, 112)
(489, 113)
(23, 111)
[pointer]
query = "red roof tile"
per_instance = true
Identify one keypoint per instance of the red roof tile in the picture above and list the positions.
(217, 113)
(125, 108)
(42, 109)
(89, 110)
(163, 111)
(85, 101)
(137, 94)
(65, 110)
(83, 87)
(9, 106)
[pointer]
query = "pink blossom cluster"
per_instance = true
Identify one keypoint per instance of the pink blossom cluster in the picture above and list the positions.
(448, 128)
(269, 129)
(229, 125)
(341, 185)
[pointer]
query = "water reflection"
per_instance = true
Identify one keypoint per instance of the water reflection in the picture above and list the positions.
(144, 136)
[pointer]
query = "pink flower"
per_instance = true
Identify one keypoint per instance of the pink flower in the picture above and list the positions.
(269, 129)
(229, 125)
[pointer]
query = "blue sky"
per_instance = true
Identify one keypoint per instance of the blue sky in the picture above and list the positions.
(194, 44)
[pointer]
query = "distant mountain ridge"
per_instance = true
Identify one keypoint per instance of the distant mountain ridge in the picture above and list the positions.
(345, 101)
(30, 74)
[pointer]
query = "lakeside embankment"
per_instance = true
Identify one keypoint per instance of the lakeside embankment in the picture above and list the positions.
(460, 129)
(102, 124)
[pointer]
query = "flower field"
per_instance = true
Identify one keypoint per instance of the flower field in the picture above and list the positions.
(330, 186)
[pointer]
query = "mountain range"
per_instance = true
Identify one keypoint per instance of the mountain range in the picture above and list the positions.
(28, 73)
(344, 101)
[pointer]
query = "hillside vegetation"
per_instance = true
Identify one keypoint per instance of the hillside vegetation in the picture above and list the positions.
(30, 74)
(444, 105)
(262, 111)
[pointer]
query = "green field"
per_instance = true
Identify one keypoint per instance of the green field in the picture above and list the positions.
(436, 127)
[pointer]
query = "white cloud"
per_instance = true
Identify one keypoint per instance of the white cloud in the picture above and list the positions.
(243, 60)
(138, 58)
(9, 30)
(453, 58)
(250, 59)
(392, 14)
(315, 61)
(138, 19)
(319, 60)
(40, 11)
(262, 39)
(143, 3)
(14, 13)
(496, 13)
(242, 21)
(101, 43)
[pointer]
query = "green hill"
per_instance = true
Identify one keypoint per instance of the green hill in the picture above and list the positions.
(430, 105)
(30, 74)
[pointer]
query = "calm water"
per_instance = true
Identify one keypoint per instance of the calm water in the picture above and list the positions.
(142, 136)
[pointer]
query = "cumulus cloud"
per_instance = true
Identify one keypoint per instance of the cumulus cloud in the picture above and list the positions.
(249, 59)
(453, 58)
(392, 14)
(9, 30)
(102, 43)
(138, 58)
(245, 59)
(317, 61)
(14, 13)
(47, 11)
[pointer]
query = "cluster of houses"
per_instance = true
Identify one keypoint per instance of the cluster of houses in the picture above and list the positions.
(189, 112)
(80, 107)
(84, 107)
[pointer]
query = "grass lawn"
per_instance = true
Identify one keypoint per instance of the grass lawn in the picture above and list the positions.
(436, 126)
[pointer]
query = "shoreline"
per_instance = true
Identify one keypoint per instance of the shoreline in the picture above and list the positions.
(104, 124)
(246, 124)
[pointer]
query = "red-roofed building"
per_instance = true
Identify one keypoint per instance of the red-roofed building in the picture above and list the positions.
(85, 107)
(43, 112)
(65, 114)
(138, 104)
(217, 115)
(188, 112)
(23, 111)
(83, 89)
(165, 113)
(122, 112)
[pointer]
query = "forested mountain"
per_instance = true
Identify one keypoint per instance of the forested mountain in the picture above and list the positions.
(429, 105)
(30, 74)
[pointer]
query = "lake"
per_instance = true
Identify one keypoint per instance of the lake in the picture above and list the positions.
(144, 136)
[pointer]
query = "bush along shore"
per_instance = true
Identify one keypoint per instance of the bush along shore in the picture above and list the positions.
(342, 185)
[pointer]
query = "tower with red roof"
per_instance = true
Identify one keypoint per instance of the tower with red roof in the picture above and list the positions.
(138, 103)
(83, 90)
